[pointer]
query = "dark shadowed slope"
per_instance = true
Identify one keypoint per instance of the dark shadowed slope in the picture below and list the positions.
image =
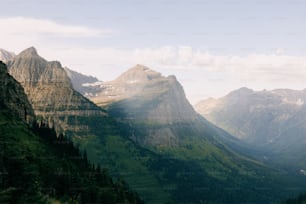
(38, 167)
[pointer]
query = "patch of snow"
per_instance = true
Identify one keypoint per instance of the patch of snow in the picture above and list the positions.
(299, 102)
(98, 83)
(132, 81)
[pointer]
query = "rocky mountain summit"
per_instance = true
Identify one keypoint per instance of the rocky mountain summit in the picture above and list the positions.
(144, 94)
(49, 90)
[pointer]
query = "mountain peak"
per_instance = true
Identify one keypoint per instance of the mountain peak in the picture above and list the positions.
(140, 67)
(28, 67)
(241, 91)
(29, 52)
(245, 89)
(146, 95)
(138, 73)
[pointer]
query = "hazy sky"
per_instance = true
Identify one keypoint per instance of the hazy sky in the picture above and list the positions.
(211, 46)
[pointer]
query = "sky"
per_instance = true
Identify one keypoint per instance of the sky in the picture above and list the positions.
(213, 47)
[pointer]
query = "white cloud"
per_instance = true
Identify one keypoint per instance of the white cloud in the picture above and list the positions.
(21, 26)
(201, 72)
(280, 51)
(21, 32)
(253, 67)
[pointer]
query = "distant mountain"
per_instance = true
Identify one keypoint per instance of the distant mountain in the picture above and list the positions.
(272, 120)
(145, 97)
(5, 56)
(86, 85)
(157, 107)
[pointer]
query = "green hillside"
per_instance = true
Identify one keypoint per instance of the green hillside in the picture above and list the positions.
(195, 172)
(38, 167)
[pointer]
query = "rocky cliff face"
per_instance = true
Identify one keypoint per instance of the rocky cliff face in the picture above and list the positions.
(13, 97)
(50, 91)
(31, 70)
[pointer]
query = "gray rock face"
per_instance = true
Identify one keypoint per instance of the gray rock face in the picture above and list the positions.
(49, 90)
(5, 56)
(12, 96)
(30, 69)
(151, 102)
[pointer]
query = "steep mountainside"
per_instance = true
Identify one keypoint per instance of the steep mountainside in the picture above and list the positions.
(145, 97)
(37, 167)
(13, 96)
(86, 85)
(141, 86)
(5, 56)
(273, 120)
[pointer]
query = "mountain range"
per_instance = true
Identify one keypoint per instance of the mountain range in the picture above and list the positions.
(143, 129)
(156, 109)
(273, 121)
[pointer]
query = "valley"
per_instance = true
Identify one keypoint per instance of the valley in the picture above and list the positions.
(143, 130)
